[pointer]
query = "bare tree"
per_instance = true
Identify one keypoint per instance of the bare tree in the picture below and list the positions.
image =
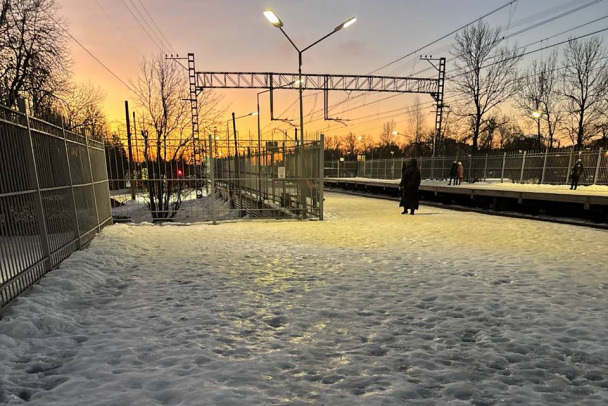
(386, 136)
(486, 74)
(33, 56)
(585, 81)
(508, 130)
(416, 127)
(349, 144)
(487, 135)
(540, 97)
(82, 110)
(166, 129)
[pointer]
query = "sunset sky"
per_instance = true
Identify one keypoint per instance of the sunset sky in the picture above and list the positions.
(234, 36)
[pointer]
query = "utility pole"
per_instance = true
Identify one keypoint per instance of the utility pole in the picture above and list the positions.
(130, 150)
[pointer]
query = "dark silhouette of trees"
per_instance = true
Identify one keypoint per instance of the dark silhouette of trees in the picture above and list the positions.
(540, 97)
(486, 74)
(33, 57)
(585, 80)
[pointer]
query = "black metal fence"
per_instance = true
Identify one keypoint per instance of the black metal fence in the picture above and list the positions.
(54, 197)
(519, 167)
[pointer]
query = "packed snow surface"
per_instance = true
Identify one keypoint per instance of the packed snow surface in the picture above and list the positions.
(369, 307)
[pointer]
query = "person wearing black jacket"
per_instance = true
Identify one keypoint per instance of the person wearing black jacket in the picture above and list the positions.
(575, 174)
(454, 173)
(410, 183)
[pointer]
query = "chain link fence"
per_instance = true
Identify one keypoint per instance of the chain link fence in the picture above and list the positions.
(516, 167)
(54, 197)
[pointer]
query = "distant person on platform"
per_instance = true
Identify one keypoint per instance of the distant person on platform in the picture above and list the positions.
(453, 173)
(410, 183)
(460, 172)
(576, 173)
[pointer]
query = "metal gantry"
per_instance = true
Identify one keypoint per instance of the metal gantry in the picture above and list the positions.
(438, 97)
(361, 83)
(197, 150)
(326, 83)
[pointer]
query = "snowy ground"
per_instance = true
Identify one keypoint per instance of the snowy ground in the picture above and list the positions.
(366, 308)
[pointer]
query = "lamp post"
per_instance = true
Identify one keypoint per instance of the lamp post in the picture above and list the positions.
(536, 114)
(253, 113)
(236, 150)
(274, 20)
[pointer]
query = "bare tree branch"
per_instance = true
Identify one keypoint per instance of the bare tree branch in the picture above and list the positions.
(484, 85)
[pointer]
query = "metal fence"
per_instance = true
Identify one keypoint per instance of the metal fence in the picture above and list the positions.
(216, 179)
(519, 167)
(54, 197)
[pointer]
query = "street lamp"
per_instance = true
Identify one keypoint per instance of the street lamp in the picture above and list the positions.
(236, 149)
(276, 21)
(253, 113)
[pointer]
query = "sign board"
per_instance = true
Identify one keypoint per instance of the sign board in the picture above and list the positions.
(341, 159)
(272, 146)
(281, 172)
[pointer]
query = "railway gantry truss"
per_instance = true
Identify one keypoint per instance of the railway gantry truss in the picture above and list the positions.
(349, 83)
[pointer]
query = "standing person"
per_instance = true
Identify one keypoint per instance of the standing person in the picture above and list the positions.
(453, 173)
(410, 183)
(460, 172)
(576, 173)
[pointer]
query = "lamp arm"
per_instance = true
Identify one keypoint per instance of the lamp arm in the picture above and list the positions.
(319, 40)
(289, 39)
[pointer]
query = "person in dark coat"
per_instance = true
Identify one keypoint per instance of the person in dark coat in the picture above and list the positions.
(576, 173)
(453, 173)
(410, 183)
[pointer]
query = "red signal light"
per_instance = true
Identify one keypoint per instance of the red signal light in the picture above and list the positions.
(180, 173)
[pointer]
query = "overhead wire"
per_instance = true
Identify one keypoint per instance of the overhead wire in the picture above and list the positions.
(519, 23)
(453, 100)
(546, 21)
(87, 50)
(444, 36)
(118, 27)
(156, 25)
(441, 38)
(155, 41)
(539, 15)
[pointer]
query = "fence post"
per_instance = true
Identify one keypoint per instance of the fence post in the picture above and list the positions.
(485, 169)
(67, 157)
(502, 172)
(597, 165)
(44, 236)
(523, 164)
(432, 167)
(569, 165)
(321, 191)
(212, 179)
(470, 167)
(92, 182)
(542, 178)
